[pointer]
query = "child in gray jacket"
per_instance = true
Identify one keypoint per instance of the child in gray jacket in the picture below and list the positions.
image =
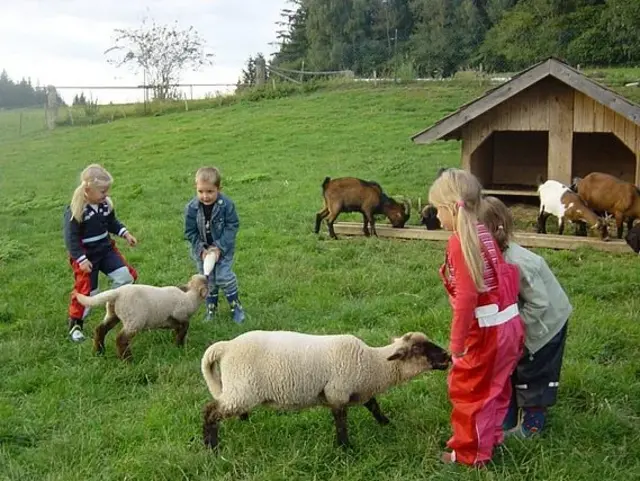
(545, 310)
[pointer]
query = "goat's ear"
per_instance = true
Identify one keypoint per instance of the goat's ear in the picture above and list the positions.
(400, 353)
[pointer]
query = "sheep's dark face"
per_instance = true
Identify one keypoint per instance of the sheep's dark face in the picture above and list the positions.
(417, 347)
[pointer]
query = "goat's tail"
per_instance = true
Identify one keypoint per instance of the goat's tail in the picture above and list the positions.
(99, 299)
(325, 182)
(211, 376)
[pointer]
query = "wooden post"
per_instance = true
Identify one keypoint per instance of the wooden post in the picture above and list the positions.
(51, 112)
(261, 71)
(560, 154)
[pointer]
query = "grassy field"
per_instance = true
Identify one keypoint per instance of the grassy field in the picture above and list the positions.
(66, 414)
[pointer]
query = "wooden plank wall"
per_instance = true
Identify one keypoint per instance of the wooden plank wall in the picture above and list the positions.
(552, 106)
(591, 116)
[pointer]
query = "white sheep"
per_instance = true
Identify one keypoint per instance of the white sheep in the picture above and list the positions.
(141, 307)
(559, 200)
(291, 370)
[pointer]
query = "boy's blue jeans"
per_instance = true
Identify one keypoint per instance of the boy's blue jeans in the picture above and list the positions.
(221, 277)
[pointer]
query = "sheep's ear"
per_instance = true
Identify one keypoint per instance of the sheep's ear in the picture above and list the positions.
(401, 353)
(204, 291)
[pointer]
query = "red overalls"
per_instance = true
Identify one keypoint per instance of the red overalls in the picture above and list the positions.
(489, 329)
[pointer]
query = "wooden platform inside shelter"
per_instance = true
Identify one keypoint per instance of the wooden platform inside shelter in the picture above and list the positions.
(510, 192)
(525, 239)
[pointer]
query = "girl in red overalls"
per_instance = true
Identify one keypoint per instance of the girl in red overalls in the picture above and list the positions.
(487, 333)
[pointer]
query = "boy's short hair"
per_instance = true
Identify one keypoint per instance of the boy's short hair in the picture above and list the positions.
(209, 174)
(498, 219)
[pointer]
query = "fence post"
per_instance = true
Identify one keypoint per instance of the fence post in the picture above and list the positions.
(51, 112)
(261, 71)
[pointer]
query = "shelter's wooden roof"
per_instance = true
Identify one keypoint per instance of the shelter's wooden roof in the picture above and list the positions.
(449, 127)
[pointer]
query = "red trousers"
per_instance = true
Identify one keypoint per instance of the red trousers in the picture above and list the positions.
(480, 389)
(85, 283)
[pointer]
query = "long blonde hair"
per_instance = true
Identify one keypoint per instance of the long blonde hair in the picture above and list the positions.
(460, 193)
(94, 176)
(498, 219)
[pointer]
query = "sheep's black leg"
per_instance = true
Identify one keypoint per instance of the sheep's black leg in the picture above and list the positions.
(561, 226)
(210, 425)
(319, 216)
(244, 417)
(374, 408)
(340, 419)
(365, 229)
(181, 330)
(542, 222)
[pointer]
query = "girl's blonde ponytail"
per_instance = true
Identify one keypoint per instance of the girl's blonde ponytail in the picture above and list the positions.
(94, 176)
(460, 192)
(466, 225)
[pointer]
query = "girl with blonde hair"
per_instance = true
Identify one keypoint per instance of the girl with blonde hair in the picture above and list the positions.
(486, 329)
(545, 310)
(88, 221)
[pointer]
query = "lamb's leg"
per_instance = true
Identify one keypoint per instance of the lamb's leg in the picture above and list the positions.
(340, 419)
(122, 344)
(374, 408)
(181, 330)
(244, 417)
(110, 321)
(560, 225)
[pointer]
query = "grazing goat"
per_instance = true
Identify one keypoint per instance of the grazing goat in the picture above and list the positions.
(606, 193)
(429, 217)
(349, 194)
(292, 371)
(559, 200)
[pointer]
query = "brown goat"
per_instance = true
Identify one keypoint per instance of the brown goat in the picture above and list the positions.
(606, 193)
(349, 194)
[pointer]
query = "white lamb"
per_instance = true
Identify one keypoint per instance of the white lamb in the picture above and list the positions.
(141, 307)
(291, 370)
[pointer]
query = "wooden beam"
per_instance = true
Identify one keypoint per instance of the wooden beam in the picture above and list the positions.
(513, 193)
(560, 157)
(525, 239)
(482, 104)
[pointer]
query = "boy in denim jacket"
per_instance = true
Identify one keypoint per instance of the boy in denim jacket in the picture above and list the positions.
(211, 224)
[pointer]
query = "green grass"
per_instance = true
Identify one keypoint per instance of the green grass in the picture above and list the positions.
(66, 414)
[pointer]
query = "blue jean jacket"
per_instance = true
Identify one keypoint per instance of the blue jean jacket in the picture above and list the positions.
(223, 227)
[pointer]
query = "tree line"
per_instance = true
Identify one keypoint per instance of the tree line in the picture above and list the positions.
(440, 37)
(21, 94)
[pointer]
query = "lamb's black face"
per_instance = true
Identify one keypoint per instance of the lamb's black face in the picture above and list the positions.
(438, 358)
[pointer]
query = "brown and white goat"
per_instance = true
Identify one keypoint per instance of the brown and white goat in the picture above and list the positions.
(350, 194)
(559, 200)
(606, 193)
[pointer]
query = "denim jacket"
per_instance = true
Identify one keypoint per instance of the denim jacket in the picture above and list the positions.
(223, 226)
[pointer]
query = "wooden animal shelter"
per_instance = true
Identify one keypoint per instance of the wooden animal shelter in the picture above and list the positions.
(548, 121)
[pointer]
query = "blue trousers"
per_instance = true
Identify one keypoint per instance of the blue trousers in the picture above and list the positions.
(221, 277)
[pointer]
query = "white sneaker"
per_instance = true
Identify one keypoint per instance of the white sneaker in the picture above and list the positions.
(76, 334)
